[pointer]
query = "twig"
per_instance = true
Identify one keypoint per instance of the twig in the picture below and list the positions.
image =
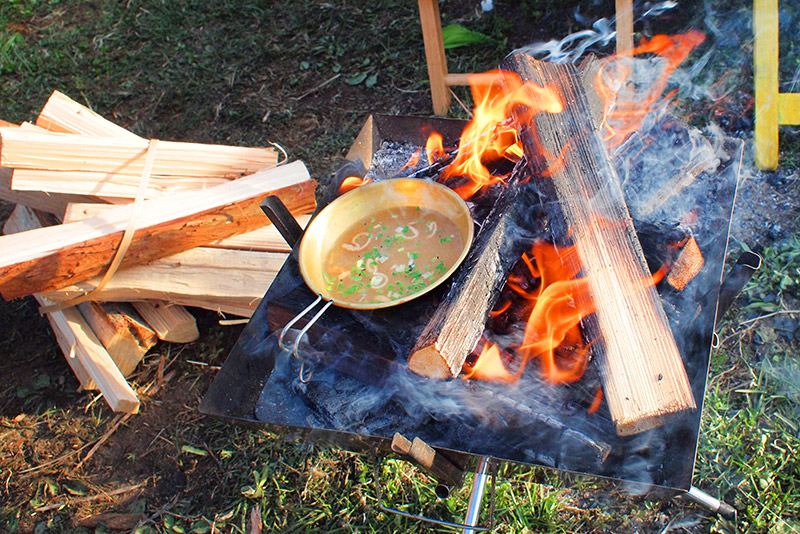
(460, 103)
(752, 322)
(231, 322)
(96, 497)
(120, 419)
(320, 86)
(779, 312)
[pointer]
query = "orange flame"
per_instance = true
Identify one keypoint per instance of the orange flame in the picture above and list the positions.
(626, 104)
(352, 182)
(434, 147)
(413, 160)
(489, 366)
(556, 307)
(490, 136)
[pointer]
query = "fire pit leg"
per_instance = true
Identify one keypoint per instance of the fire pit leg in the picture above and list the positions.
(707, 501)
(473, 508)
(476, 497)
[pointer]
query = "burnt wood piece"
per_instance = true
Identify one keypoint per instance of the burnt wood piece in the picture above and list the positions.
(643, 373)
(456, 326)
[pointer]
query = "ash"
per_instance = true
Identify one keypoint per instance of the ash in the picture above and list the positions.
(392, 158)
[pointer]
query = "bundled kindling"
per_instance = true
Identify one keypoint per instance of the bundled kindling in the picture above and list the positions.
(158, 225)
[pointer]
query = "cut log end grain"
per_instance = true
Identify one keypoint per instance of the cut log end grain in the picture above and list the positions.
(171, 323)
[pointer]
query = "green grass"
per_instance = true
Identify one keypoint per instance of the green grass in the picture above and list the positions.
(251, 72)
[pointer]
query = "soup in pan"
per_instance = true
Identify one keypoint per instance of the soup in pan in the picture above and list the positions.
(391, 255)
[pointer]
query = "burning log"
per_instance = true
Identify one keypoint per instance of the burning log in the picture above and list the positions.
(643, 373)
(50, 258)
(457, 325)
(687, 266)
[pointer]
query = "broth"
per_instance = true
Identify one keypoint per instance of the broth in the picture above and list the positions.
(391, 255)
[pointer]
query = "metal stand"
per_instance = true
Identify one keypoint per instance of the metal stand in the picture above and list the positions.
(470, 524)
(707, 501)
(476, 497)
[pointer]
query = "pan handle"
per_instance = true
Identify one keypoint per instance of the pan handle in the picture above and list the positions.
(277, 212)
(306, 370)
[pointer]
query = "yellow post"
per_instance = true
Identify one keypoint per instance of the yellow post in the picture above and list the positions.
(434, 54)
(765, 72)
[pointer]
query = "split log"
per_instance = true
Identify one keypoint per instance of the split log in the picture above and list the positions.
(87, 357)
(89, 360)
(226, 281)
(458, 322)
(24, 149)
(62, 114)
(171, 323)
(267, 238)
(643, 374)
(50, 258)
(55, 204)
(100, 184)
(126, 338)
(439, 466)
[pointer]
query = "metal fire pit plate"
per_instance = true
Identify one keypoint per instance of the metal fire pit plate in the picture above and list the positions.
(360, 393)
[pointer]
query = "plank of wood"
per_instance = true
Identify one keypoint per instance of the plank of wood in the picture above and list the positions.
(266, 239)
(624, 26)
(431, 23)
(116, 185)
(643, 373)
(228, 281)
(49, 258)
(82, 348)
(126, 338)
(62, 114)
(87, 357)
(72, 152)
(456, 326)
(171, 323)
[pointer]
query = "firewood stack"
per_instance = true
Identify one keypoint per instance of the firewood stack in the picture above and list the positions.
(114, 234)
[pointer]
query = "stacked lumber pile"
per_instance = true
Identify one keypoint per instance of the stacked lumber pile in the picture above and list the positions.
(114, 234)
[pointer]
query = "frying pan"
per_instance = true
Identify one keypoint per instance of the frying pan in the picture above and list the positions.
(326, 229)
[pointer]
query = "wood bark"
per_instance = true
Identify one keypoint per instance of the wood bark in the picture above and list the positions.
(643, 373)
(459, 320)
(266, 239)
(50, 258)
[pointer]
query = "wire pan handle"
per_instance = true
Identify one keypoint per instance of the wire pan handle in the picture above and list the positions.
(306, 369)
